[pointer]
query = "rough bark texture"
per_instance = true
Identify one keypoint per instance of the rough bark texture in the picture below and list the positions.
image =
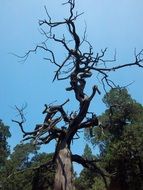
(63, 177)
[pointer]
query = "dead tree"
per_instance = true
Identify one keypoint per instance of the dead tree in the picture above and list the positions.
(77, 67)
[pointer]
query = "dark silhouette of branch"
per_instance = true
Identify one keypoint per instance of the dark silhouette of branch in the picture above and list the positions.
(48, 126)
(91, 164)
(77, 66)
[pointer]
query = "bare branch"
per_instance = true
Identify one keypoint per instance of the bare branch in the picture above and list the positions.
(48, 165)
(60, 67)
(90, 123)
(92, 166)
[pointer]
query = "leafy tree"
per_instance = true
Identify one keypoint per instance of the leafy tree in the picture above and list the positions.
(120, 136)
(87, 152)
(4, 147)
(98, 184)
(43, 177)
(88, 179)
(15, 176)
(22, 155)
(78, 64)
(25, 169)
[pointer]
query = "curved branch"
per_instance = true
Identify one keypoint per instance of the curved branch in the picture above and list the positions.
(90, 164)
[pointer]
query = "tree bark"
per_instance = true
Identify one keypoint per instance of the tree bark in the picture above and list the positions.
(63, 177)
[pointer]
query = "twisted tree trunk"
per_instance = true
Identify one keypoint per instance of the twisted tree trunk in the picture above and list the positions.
(63, 177)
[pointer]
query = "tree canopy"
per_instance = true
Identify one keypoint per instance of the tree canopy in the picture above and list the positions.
(25, 169)
(4, 147)
(120, 138)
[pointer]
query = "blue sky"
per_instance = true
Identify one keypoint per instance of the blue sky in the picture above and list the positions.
(114, 24)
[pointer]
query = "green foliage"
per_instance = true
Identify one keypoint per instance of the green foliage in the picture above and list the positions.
(120, 139)
(43, 179)
(86, 178)
(98, 184)
(89, 180)
(22, 155)
(87, 152)
(4, 148)
(123, 107)
(22, 170)
(124, 158)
